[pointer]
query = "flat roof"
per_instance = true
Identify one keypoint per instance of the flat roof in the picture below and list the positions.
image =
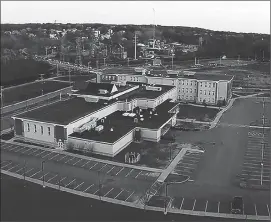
(121, 70)
(28, 91)
(124, 124)
(63, 112)
(141, 92)
(213, 77)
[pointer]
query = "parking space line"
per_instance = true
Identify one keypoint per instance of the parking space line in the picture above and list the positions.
(218, 207)
(88, 187)
(93, 165)
(40, 153)
(119, 193)
(102, 167)
(138, 174)
(43, 175)
(70, 182)
(256, 210)
(206, 205)
(35, 173)
(79, 185)
(182, 203)
(96, 191)
(33, 151)
(47, 155)
(6, 165)
(77, 161)
(18, 150)
(5, 145)
(120, 171)
(108, 192)
(62, 179)
(15, 147)
(19, 170)
(62, 157)
(53, 156)
(85, 163)
(130, 195)
(194, 204)
(110, 170)
(268, 209)
(52, 178)
(27, 150)
(13, 167)
(129, 172)
(69, 160)
(29, 170)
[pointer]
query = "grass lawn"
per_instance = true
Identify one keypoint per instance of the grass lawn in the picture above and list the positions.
(197, 112)
(29, 91)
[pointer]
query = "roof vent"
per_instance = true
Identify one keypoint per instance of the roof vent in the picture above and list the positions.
(111, 129)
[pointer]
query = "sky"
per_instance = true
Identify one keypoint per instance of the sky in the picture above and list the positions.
(235, 16)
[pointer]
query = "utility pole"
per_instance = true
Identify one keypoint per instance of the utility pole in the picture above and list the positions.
(97, 64)
(128, 61)
(220, 61)
(24, 171)
(135, 46)
(153, 26)
(104, 61)
(100, 186)
(70, 75)
(2, 97)
(42, 169)
(238, 59)
(172, 61)
(195, 60)
(255, 56)
(263, 55)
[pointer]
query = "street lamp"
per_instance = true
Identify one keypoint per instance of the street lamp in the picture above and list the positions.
(24, 171)
(166, 196)
(100, 186)
(42, 168)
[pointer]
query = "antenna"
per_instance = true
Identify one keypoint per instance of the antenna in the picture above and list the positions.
(153, 25)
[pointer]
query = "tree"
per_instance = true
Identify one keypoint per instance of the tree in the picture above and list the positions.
(204, 103)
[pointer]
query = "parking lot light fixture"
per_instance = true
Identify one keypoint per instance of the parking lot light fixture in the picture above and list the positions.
(261, 173)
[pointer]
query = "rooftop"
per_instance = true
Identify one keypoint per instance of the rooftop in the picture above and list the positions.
(213, 77)
(116, 120)
(141, 92)
(63, 112)
(121, 70)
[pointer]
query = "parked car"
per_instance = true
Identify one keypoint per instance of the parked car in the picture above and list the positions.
(237, 205)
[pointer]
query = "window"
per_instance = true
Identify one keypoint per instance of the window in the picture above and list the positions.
(49, 131)
(187, 83)
(195, 90)
(186, 89)
(213, 93)
(206, 84)
(214, 84)
(204, 92)
(200, 92)
(35, 128)
(41, 129)
(190, 90)
(210, 85)
(28, 127)
(209, 92)
(183, 82)
(201, 84)
(191, 83)
(183, 89)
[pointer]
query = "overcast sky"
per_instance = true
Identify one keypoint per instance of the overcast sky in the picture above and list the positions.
(242, 16)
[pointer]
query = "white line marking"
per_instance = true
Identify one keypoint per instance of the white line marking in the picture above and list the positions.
(62, 179)
(85, 163)
(43, 176)
(79, 185)
(69, 160)
(102, 167)
(19, 170)
(62, 158)
(52, 178)
(19, 149)
(47, 155)
(27, 150)
(268, 209)
(40, 153)
(88, 188)
(218, 207)
(206, 205)
(33, 151)
(70, 182)
(120, 171)
(130, 195)
(138, 174)
(13, 167)
(15, 147)
(108, 192)
(194, 204)
(119, 193)
(182, 203)
(93, 165)
(256, 210)
(110, 170)
(35, 173)
(53, 156)
(96, 191)
(77, 161)
(6, 165)
(129, 172)
(29, 170)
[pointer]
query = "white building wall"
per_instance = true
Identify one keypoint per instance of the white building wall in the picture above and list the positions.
(123, 142)
(162, 81)
(222, 90)
(187, 89)
(46, 137)
(207, 91)
(151, 135)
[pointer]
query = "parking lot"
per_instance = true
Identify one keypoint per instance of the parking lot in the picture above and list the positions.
(103, 168)
(189, 164)
(256, 165)
(71, 182)
(218, 207)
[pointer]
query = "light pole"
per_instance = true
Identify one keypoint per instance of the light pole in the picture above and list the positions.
(24, 171)
(42, 168)
(166, 196)
(100, 186)
(172, 60)
(2, 97)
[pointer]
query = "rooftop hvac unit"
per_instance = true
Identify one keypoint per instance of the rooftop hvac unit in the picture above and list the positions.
(153, 88)
(91, 99)
(103, 91)
(135, 120)
(111, 129)
(99, 128)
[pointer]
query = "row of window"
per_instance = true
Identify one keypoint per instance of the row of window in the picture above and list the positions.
(207, 100)
(41, 129)
(107, 77)
(186, 97)
(205, 93)
(187, 89)
(191, 83)
(206, 84)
